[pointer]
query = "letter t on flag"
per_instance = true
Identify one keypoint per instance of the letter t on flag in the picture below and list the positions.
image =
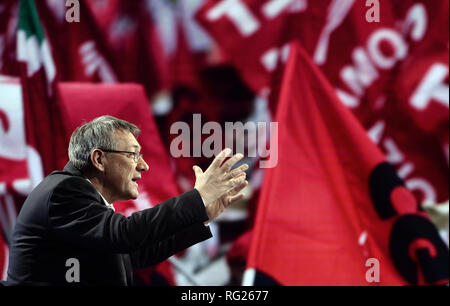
(333, 202)
(44, 118)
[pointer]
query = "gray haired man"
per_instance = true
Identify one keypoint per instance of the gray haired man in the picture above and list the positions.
(68, 220)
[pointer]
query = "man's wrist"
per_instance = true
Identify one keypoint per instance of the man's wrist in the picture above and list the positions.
(201, 196)
(205, 204)
(203, 199)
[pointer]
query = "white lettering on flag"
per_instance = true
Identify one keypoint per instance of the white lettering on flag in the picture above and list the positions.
(93, 62)
(337, 12)
(238, 13)
(432, 88)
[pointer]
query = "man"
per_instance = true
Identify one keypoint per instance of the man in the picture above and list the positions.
(68, 219)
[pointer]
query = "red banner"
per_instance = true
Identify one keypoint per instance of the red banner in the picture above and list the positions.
(15, 179)
(80, 49)
(392, 72)
(345, 218)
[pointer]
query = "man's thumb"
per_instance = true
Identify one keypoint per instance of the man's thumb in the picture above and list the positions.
(197, 170)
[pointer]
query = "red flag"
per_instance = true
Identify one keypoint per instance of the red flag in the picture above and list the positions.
(85, 102)
(17, 177)
(253, 33)
(33, 140)
(137, 51)
(417, 155)
(8, 37)
(114, 41)
(362, 60)
(81, 51)
(105, 12)
(344, 218)
(45, 132)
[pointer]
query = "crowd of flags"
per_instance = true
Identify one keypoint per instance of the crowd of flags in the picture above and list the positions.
(362, 109)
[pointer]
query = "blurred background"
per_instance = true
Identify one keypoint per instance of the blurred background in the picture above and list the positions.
(157, 62)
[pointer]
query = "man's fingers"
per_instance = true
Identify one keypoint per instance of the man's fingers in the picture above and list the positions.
(237, 171)
(237, 181)
(235, 198)
(220, 158)
(238, 188)
(234, 195)
(232, 161)
(237, 184)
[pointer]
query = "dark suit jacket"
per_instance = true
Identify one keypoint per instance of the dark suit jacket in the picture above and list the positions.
(65, 217)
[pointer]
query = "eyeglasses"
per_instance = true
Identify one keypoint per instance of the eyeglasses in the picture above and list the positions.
(135, 155)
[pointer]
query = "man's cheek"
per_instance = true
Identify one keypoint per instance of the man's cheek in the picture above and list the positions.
(134, 188)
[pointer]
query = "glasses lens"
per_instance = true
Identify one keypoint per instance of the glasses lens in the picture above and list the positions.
(137, 157)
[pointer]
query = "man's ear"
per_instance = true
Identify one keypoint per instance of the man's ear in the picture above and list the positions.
(98, 159)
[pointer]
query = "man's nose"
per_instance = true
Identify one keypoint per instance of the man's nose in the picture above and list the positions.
(142, 165)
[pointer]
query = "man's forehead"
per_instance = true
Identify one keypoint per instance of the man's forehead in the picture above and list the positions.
(127, 139)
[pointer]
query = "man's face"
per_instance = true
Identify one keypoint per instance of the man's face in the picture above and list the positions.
(121, 171)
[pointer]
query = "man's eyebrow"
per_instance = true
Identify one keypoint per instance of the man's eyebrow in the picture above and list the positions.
(136, 146)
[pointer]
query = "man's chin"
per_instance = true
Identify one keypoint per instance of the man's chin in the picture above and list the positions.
(134, 196)
(130, 196)
(133, 192)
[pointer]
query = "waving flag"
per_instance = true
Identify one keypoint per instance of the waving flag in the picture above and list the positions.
(33, 140)
(115, 41)
(255, 34)
(135, 44)
(345, 217)
(44, 118)
(86, 56)
(15, 179)
(362, 61)
(8, 37)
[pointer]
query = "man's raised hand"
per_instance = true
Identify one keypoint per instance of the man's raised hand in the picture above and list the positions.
(219, 185)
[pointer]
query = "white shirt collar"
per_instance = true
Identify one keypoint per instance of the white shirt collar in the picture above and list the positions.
(104, 200)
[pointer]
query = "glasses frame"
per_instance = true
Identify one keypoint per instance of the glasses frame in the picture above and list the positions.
(135, 155)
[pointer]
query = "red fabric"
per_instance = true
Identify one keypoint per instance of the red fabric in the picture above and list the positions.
(417, 155)
(33, 139)
(246, 49)
(81, 51)
(134, 41)
(43, 114)
(418, 92)
(85, 102)
(323, 226)
(105, 12)
(114, 42)
(13, 155)
(8, 38)
(238, 253)
(15, 177)
(44, 122)
(375, 67)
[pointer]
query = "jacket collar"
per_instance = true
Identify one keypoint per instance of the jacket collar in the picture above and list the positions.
(73, 170)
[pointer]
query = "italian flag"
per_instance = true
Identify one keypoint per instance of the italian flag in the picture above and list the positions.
(32, 47)
(45, 132)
